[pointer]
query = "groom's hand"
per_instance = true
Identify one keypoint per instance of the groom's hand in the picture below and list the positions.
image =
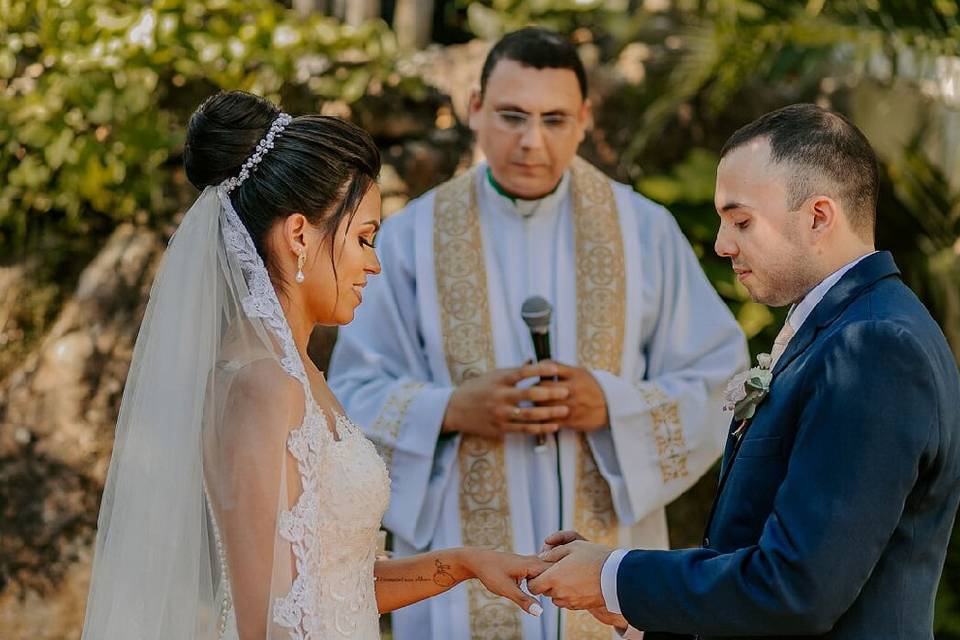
(614, 620)
(559, 538)
(574, 581)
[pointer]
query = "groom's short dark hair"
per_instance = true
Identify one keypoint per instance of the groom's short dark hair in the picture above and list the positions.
(538, 48)
(825, 150)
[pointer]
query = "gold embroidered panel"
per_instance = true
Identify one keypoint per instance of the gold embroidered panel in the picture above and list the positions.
(468, 343)
(601, 321)
(386, 427)
(667, 431)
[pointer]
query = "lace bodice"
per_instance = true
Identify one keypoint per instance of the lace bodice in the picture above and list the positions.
(333, 532)
(333, 527)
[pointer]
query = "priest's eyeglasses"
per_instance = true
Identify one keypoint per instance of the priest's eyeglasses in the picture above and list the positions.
(520, 121)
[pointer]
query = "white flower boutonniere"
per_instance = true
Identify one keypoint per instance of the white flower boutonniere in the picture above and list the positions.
(747, 390)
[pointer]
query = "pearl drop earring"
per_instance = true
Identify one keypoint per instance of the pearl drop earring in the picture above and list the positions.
(300, 260)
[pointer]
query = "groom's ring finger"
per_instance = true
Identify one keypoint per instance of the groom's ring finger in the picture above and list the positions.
(515, 414)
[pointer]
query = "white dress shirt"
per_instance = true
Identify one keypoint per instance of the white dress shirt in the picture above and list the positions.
(796, 317)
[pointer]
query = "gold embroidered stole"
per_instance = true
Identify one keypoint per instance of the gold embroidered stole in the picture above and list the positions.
(468, 343)
(601, 319)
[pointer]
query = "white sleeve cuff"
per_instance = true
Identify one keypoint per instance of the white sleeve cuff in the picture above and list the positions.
(608, 580)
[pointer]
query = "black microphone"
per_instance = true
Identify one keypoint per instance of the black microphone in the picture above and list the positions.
(536, 313)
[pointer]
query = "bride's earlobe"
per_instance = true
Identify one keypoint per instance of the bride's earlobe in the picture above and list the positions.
(294, 230)
(301, 258)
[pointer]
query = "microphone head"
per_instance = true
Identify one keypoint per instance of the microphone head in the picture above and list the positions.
(536, 312)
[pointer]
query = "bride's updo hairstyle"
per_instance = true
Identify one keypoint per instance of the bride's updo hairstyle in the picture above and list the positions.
(320, 166)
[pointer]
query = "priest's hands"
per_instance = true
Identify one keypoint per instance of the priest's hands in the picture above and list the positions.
(573, 582)
(585, 400)
(488, 404)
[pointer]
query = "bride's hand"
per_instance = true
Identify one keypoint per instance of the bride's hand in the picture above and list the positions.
(501, 574)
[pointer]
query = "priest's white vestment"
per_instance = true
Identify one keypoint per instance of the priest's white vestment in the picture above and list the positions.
(631, 303)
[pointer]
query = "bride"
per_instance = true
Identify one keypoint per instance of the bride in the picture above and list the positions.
(241, 502)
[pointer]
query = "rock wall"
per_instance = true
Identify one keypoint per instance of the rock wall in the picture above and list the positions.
(57, 410)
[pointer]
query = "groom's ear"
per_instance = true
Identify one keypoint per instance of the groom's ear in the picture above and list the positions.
(824, 214)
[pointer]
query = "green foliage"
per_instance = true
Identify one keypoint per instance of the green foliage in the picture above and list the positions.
(597, 19)
(726, 46)
(690, 181)
(94, 96)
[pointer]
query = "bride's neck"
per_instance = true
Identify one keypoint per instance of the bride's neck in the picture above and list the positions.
(301, 326)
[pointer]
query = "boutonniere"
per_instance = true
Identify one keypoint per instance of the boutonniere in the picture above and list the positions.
(747, 390)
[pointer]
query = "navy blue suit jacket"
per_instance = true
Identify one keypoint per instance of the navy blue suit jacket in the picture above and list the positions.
(834, 511)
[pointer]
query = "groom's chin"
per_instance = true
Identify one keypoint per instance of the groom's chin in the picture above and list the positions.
(756, 296)
(768, 298)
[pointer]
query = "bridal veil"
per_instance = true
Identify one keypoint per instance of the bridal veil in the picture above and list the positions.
(215, 388)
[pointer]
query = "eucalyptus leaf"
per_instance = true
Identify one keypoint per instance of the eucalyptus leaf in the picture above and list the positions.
(744, 412)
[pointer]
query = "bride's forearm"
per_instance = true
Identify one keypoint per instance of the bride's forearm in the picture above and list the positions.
(403, 581)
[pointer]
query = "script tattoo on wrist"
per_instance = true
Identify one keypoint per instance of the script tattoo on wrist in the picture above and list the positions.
(441, 577)
(403, 579)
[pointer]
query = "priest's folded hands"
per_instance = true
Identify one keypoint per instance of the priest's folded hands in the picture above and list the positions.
(493, 403)
(582, 395)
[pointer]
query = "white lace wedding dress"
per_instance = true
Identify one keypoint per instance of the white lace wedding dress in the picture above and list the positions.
(332, 529)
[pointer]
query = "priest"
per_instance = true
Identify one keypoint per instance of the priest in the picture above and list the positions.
(484, 446)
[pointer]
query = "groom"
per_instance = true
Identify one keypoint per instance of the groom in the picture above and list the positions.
(837, 498)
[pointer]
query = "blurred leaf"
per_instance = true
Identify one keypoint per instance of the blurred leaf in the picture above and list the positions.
(8, 63)
(690, 181)
(754, 318)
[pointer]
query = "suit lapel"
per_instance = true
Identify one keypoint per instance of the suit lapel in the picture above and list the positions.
(853, 283)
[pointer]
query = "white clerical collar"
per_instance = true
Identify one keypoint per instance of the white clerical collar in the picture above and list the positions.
(526, 208)
(802, 310)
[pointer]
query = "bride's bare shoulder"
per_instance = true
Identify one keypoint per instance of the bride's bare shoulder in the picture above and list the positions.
(257, 389)
(264, 378)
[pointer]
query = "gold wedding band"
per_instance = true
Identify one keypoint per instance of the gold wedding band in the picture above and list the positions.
(516, 413)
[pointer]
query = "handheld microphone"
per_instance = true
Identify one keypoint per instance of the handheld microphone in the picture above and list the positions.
(536, 313)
